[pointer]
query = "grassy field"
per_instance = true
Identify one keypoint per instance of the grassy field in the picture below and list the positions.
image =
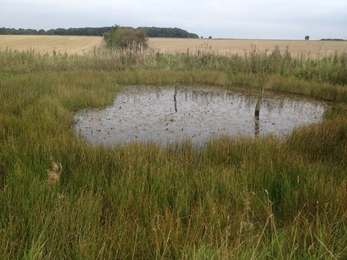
(235, 198)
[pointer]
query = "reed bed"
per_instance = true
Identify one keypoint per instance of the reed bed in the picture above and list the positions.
(236, 198)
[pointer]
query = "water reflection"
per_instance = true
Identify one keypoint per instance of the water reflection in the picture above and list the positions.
(256, 126)
(169, 114)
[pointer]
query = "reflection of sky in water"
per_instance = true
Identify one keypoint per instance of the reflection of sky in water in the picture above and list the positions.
(150, 113)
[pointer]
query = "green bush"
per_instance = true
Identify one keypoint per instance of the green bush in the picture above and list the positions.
(126, 39)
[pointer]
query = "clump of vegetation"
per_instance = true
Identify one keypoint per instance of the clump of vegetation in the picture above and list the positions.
(239, 198)
(127, 39)
(54, 173)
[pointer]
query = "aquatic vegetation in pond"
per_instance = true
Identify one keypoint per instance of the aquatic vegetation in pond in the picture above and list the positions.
(167, 114)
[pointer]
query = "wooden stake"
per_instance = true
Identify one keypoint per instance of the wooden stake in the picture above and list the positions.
(175, 100)
(258, 105)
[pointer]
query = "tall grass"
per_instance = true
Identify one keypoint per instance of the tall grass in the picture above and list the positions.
(233, 198)
(328, 69)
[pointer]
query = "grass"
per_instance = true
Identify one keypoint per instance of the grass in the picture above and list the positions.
(234, 198)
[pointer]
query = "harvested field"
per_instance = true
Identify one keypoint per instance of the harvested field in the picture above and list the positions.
(47, 44)
(85, 44)
(314, 49)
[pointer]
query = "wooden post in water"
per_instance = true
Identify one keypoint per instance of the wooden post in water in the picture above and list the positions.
(258, 105)
(175, 100)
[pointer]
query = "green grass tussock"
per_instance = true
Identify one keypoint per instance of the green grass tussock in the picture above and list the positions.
(233, 198)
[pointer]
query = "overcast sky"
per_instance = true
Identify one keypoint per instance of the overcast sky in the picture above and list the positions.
(250, 19)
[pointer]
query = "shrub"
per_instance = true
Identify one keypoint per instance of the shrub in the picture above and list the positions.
(126, 39)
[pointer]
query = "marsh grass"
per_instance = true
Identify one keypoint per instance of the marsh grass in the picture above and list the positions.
(236, 198)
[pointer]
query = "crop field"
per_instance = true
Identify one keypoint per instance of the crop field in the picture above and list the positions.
(85, 44)
(49, 44)
(314, 49)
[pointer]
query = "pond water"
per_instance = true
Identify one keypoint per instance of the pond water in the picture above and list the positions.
(170, 114)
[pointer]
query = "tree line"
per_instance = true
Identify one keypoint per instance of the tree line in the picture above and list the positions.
(168, 32)
(87, 31)
(330, 39)
(100, 31)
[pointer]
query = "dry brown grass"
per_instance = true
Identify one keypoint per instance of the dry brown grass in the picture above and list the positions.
(54, 173)
(314, 49)
(47, 44)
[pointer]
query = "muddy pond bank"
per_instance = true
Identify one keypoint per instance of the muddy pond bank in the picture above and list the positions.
(169, 114)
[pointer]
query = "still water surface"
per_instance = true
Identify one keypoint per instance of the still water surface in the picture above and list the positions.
(169, 114)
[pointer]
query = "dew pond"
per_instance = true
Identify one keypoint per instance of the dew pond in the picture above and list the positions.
(170, 114)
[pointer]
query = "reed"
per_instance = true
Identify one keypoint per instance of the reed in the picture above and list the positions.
(232, 198)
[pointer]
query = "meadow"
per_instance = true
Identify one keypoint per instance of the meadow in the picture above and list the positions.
(234, 198)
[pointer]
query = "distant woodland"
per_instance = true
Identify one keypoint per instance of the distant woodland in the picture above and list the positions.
(99, 31)
(330, 39)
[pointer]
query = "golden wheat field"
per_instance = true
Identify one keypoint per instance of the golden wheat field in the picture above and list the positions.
(47, 44)
(85, 44)
(314, 49)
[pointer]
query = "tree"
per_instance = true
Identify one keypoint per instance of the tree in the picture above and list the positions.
(126, 38)
(307, 38)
